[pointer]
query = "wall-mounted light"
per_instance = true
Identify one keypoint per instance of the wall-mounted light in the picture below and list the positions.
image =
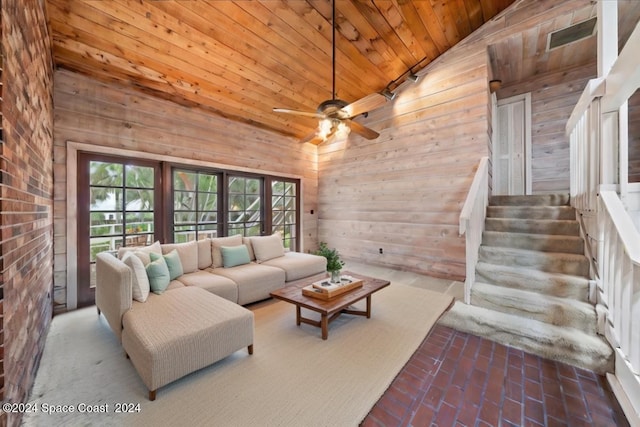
(388, 94)
(495, 85)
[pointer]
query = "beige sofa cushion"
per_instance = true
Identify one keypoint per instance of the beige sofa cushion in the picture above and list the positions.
(188, 253)
(204, 253)
(216, 284)
(267, 247)
(255, 281)
(216, 243)
(298, 265)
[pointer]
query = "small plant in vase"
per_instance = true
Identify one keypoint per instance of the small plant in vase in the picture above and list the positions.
(334, 263)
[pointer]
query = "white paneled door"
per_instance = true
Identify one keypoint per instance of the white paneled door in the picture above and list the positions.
(512, 146)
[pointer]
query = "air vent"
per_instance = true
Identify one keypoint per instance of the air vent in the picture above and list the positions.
(571, 34)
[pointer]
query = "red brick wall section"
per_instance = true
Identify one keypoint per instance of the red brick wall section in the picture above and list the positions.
(26, 190)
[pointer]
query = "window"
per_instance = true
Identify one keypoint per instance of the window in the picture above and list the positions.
(284, 209)
(245, 215)
(131, 202)
(195, 205)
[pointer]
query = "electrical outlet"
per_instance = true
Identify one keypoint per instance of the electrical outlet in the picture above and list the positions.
(381, 252)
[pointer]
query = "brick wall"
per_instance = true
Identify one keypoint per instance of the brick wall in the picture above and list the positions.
(26, 190)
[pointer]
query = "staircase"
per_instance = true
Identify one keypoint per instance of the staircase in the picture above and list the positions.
(532, 288)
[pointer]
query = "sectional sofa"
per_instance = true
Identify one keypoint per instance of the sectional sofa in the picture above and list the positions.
(177, 308)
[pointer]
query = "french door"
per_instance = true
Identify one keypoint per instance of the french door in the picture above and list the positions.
(118, 205)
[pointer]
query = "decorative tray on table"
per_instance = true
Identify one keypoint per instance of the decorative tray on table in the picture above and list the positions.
(325, 289)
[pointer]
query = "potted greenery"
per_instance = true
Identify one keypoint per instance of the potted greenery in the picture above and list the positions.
(334, 263)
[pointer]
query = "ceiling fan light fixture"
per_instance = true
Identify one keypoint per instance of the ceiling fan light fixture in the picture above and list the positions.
(388, 94)
(343, 130)
(324, 128)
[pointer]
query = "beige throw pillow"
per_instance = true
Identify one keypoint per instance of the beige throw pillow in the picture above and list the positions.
(155, 248)
(218, 242)
(188, 253)
(139, 280)
(267, 247)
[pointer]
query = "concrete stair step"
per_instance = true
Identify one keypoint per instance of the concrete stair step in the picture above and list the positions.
(532, 212)
(534, 242)
(552, 262)
(544, 308)
(534, 226)
(553, 284)
(567, 345)
(531, 200)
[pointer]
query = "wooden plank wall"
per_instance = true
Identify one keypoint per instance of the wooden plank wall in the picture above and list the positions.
(106, 115)
(553, 97)
(26, 197)
(403, 192)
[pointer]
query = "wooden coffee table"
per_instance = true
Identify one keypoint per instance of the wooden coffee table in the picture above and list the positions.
(332, 308)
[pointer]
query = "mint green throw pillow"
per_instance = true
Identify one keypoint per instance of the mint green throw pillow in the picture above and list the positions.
(158, 274)
(173, 263)
(234, 255)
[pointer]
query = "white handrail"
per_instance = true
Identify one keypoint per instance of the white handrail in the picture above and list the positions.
(472, 218)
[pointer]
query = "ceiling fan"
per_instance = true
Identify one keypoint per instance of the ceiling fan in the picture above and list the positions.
(335, 114)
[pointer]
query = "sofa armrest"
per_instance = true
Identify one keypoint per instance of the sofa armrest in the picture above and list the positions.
(113, 290)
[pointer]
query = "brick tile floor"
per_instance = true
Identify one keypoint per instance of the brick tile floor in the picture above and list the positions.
(459, 380)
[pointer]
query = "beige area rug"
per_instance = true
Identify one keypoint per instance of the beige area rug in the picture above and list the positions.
(294, 378)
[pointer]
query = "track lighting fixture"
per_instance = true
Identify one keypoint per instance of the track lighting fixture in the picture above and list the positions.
(388, 94)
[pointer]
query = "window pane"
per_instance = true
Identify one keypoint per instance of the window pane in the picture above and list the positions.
(208, 217)
(277, 188)
(208, 202)
(107, 174)
(195, 202)
(277, 203)
(184, 217)
(253, 186)
(208, 183)
(236, 202)
(252, 202)
(139, 200)
(184, 180)
(184, 200)
(139, 176)
(105, 199)
(236, 185)
(290, 189)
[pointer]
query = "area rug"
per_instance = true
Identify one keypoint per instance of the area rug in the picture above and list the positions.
(294, 378)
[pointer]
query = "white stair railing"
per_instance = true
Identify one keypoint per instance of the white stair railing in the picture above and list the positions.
(599, 184)
(472, 219)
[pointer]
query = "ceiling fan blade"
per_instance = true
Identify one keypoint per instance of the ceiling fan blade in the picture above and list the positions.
(363, 105)
(362, 130)
(299, 113)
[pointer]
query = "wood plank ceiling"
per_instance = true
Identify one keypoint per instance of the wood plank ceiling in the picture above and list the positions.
(240, 59)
